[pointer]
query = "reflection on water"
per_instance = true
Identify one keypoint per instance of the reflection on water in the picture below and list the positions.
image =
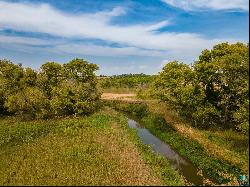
(185, 167)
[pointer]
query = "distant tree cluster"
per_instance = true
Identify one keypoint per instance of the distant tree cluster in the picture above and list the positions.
(52, 91)
(127, 81)
(214, 91)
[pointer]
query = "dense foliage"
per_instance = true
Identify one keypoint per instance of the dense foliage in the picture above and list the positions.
(214, 91)
(127, 81)
(55, 90)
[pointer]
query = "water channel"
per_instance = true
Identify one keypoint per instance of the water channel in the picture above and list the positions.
(184, 166)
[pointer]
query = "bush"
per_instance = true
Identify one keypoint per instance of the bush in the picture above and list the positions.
(30, 101)
(137, 109)
(49, 76)
(2, 109)
(135, 81)
(55, 89)
(74, 98)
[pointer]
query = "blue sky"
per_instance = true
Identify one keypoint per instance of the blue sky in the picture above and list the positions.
(121, 36)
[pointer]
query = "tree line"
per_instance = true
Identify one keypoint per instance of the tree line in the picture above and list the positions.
(214, 91)
(54, 90)
(127, 81)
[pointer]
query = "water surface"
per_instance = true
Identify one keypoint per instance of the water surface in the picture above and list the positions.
(184, 166)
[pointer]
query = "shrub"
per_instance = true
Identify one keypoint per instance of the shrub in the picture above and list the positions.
(49, 76)
(74, 98)
(30, 101)
(55, 89)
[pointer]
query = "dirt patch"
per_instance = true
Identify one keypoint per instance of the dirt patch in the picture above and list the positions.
(115, 96)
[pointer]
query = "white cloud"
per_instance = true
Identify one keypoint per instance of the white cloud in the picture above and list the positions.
(140, 40)
(95, 50)
(43, 18)
(27, 44)
(209, 4)
(157, 26)
(22, 40)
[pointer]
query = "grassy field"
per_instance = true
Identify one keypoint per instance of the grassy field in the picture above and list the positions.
(222, 154)
(95, 150)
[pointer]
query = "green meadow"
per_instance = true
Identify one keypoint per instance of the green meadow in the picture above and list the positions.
(96, 150)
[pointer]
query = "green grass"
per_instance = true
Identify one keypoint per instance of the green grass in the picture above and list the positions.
(159, 164)
(224, 144)
(192, 150)
(95, 150)
(220, 170)
(230, 139)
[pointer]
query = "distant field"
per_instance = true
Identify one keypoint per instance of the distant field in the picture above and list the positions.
(94, 150)
(119, 90)
(114, 96)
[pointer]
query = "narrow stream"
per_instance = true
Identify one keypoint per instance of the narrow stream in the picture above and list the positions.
(185, 167)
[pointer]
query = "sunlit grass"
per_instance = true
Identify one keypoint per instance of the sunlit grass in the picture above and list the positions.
(94, 150)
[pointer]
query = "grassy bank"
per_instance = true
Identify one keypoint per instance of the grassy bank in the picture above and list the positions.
(95, 150)
(222, 143)
(221, 170)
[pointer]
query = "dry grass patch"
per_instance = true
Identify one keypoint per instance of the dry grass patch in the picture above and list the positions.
(117, 96)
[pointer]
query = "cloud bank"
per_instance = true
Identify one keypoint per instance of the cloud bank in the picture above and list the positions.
(209, 4)
(139, 39)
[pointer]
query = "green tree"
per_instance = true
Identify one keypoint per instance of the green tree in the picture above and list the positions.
(175, 85)
(2, 84)
(74, 98)
(223, 74)
(49, 77)
(10, 76)
(29, 102)
(55, 89)
(214, 91)
(80, 71)
(29, 78)
(77, 93)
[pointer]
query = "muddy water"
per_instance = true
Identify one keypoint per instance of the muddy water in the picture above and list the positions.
(185, 167)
